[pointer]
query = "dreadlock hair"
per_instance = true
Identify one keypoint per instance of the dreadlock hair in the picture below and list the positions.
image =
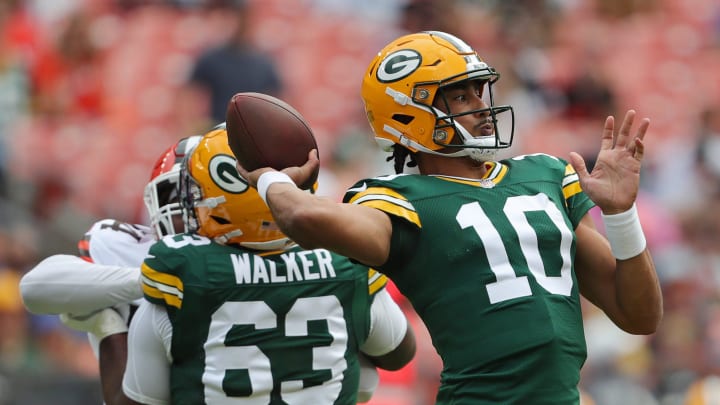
(399, 155)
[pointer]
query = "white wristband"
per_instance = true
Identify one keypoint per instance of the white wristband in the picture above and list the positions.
(102, 323)
(268, 178)
(625, 233)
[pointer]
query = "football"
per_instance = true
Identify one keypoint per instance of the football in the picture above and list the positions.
(264, 131)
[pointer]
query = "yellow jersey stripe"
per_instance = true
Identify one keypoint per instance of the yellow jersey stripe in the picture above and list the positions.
(571, 189)
(384, 191)
(376, 281)
(571, 182)
(570, 179)
(393, 209)
(495, 173)
(387, 200)
(163, 286)
(459, 180)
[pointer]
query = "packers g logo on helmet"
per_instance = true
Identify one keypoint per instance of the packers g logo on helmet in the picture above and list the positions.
(398, 65)
(224, 174)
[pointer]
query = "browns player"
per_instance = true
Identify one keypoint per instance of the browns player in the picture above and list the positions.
(75, 285)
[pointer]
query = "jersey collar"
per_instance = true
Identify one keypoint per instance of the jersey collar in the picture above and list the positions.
(495, 172)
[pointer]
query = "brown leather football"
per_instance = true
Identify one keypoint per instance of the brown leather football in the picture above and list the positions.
(264, 131)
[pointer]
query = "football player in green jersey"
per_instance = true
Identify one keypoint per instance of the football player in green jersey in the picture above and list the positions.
(235, 312)
(492, 254)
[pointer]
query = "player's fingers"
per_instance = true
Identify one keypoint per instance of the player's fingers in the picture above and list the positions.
(313, 155)
(251, 177)
(644, 125)
(312, 164)
(309, 169)
(624, 133)
(579, 164)
(639, 149)
(607, 133)
(241, 171)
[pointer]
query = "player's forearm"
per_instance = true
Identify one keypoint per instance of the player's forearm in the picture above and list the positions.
(301, 216)
(68, 284)
(639, 295)
(113, 355)
(637, 287)
(355, 231)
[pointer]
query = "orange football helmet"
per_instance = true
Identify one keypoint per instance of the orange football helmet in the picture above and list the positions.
(219, 204)
(161, 195)
(402, 82)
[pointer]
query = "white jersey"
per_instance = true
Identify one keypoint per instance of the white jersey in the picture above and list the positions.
(116, 243)
(77, 285)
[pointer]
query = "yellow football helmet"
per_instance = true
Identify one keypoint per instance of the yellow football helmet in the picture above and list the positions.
(401, 84)
(219, 204)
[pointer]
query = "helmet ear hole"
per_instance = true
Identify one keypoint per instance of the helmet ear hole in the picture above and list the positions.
(220, 220)
(403, 118)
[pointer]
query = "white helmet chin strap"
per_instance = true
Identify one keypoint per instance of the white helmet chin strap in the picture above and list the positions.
(481, 155)
(476, 152)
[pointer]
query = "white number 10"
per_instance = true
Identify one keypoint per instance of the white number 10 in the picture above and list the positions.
(508, 284)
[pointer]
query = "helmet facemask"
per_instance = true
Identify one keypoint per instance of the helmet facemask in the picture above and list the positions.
(190, 194)
(452, 135)
(161, 201)
(161, 192)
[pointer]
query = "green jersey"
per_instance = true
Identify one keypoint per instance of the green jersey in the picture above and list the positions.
(273, 328)
(488, 266)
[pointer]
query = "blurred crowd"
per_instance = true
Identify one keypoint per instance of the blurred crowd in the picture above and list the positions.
(91, 91)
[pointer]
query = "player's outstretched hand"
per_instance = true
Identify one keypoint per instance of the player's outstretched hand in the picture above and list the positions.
(102, 323)
(615, 179)
(299, 174)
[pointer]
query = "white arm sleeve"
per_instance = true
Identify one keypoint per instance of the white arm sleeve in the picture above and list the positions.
(65, 283)
(388, 326)
(369, 380)
(147, 374)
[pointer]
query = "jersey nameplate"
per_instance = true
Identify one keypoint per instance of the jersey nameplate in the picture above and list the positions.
(298, 266)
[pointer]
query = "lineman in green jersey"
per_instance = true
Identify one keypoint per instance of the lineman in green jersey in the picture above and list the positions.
(235, 312)
(277, 328)
(493, 255)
